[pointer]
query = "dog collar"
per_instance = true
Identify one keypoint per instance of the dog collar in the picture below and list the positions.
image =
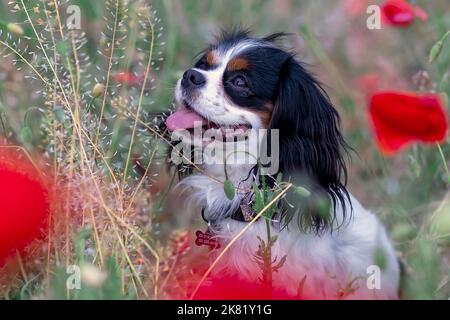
(244, 213)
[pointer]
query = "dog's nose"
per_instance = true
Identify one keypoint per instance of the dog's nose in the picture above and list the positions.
(192, 79)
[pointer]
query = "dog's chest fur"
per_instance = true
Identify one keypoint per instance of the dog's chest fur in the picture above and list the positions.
(328, 262)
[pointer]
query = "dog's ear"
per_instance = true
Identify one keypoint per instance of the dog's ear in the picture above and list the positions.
(311, 145)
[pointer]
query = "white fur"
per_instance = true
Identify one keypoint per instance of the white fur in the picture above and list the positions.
(328, 261)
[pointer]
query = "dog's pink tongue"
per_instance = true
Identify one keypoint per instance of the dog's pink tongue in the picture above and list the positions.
(183, 119)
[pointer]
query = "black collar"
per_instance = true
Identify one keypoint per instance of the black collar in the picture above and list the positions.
(244, 213)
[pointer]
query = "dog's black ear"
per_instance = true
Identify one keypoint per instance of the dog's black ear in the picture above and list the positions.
(311, 147)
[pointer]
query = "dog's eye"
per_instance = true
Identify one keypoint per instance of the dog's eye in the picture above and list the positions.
(201, 64)
(239, 82)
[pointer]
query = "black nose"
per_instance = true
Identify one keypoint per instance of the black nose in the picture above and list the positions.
(192, 79)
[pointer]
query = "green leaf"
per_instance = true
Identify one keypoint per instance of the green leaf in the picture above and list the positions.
(26, 135)
(3, 123)
(436, 49)
(230, 192)
(279, 178)
(379, 258)
(258, 204)
(440, 226)
(414, 166)
(421, 283)
(112, 288)
(403, 232)
(280, 263)
(58, 285)
(302, 192)
(59, 114)
(63, 47)
(323, 206)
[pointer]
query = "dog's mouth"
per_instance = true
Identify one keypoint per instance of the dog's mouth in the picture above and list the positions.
(186, 118)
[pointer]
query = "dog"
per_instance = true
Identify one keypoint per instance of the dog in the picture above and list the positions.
(241, 84)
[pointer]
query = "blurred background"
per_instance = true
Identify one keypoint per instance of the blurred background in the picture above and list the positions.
(408, 191)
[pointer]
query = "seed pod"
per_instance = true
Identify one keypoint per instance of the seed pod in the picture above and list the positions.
(302, 192)
(403, 232)
(15, 29)
(229, 189)
(98, 90)
(436, 49)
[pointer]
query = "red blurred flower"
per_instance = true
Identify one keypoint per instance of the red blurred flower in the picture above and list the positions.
(128, 78)
(369, 83)
(355, 7)
(234, 288)
(401, 13)
(24, 204)
(400, 118)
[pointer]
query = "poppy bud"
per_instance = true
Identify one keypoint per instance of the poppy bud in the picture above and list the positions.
(302, 192)
(229, 189)
(437, 48)
(98, 90)
(15, 29)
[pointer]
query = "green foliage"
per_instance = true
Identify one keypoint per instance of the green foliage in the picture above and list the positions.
(268, 264)
(379, 258)
(422, 282)
(110, 288)
(94, 283)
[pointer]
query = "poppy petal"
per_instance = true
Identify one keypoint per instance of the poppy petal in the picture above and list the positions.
(421, 13)
(400, 118)
(398, 13)
(24, 203)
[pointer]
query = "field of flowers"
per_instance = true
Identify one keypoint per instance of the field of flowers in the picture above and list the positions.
(83, 85)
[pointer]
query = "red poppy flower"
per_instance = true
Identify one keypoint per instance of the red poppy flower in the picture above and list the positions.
(355, 7)
(400, 118)
(128, 78)
(369, 83)
(234, 288)
(401, 13)
(24, 204)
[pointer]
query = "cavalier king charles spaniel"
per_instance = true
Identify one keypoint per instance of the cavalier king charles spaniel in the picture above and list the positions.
(330, 244)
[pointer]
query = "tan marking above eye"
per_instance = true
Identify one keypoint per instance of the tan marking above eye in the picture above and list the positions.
(266, 115)
(212, 57)
(237, 64)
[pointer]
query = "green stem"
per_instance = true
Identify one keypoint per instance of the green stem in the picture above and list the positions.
(444, 37)
(268, 261)
(444, 161)
(2, 122)
(268, 251)
(27, 116)
(323, 57)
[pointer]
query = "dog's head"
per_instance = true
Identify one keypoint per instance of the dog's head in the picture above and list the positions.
(241, 82)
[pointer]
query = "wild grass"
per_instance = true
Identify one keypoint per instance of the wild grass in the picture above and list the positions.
(82, 138)
(105, 152)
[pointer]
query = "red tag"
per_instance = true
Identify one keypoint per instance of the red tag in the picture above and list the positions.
(206, 238)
